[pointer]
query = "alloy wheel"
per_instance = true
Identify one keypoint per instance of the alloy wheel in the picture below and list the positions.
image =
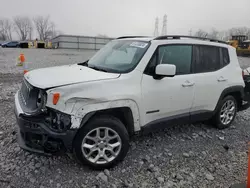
(227, 112)
(101, 145)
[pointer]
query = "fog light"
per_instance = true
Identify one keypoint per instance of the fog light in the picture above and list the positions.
(65, 119)
(58, 121)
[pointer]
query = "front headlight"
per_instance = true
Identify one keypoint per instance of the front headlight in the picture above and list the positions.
(32, 99)
(41, 99)
(37, 102)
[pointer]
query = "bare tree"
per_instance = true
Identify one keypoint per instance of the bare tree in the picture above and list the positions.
(23, 26)
(54, 32)
(201, 33)
(213, 34)
(30, 33)
(44, 27)
(223, 35)
(6, 29)
(239, 31)
(2, 37)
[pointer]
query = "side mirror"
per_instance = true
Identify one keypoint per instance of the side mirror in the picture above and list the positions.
(165, 70)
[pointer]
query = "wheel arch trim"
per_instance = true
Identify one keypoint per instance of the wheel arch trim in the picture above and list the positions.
(229, 90)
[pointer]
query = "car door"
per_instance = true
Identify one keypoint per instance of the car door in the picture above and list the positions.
(14, 44)
(210, 77)
(10, 44)
(169, 98)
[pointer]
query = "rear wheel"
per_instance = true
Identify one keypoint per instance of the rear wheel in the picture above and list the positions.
(102, 143)
(226, 112)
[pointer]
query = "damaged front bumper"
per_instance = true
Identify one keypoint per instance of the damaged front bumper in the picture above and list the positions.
(35, 135)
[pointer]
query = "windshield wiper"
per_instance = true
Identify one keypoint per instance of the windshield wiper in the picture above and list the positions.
(98, 68)
(92, 67)
(103, 69)
(85, 63)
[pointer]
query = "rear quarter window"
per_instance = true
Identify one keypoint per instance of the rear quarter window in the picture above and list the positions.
(225, 57)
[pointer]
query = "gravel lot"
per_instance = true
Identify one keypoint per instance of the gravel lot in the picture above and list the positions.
(181, 156)
(40, 58)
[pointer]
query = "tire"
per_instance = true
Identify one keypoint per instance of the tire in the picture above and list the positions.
(102, 123)
(218, 119)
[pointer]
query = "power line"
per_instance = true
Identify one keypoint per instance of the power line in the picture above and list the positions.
(190, 32)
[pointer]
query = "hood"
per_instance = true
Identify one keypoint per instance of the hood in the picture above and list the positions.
(65, 75)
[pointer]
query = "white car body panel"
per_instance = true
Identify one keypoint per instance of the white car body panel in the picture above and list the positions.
(82, 98)
(210, 85)
(65, 75)
(208, 90)
(84, 90)
(167, 96)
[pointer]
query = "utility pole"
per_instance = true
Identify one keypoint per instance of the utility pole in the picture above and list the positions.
(190, 32)
(164, 25)
(156, 32)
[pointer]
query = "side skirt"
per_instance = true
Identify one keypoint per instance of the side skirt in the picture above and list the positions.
(186, 118)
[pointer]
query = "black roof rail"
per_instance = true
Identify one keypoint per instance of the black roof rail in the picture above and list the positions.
(124, 37)
(165, 37)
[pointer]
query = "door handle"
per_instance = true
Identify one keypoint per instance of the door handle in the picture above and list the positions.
(221, 79)
(188, 84)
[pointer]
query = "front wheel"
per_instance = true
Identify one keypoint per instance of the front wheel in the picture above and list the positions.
(226, 112)
(102, 143)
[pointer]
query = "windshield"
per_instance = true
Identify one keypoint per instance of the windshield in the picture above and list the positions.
(119, 56)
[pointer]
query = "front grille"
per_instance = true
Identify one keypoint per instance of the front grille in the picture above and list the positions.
(30, 98)
(25, 91)
(31, 125)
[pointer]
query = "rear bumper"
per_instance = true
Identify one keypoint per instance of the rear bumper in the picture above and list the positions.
(246, 94)
(36, 136)
(245, 102)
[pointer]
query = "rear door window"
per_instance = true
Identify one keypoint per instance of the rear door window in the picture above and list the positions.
(207, 59)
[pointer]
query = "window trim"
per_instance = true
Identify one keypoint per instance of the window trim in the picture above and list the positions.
(221, 58)
(156, 52)
(229, 59)
(192, 58)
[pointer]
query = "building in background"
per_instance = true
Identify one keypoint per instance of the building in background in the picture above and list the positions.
(79, 42)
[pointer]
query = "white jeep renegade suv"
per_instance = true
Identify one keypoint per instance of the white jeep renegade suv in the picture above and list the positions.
(132, 84)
